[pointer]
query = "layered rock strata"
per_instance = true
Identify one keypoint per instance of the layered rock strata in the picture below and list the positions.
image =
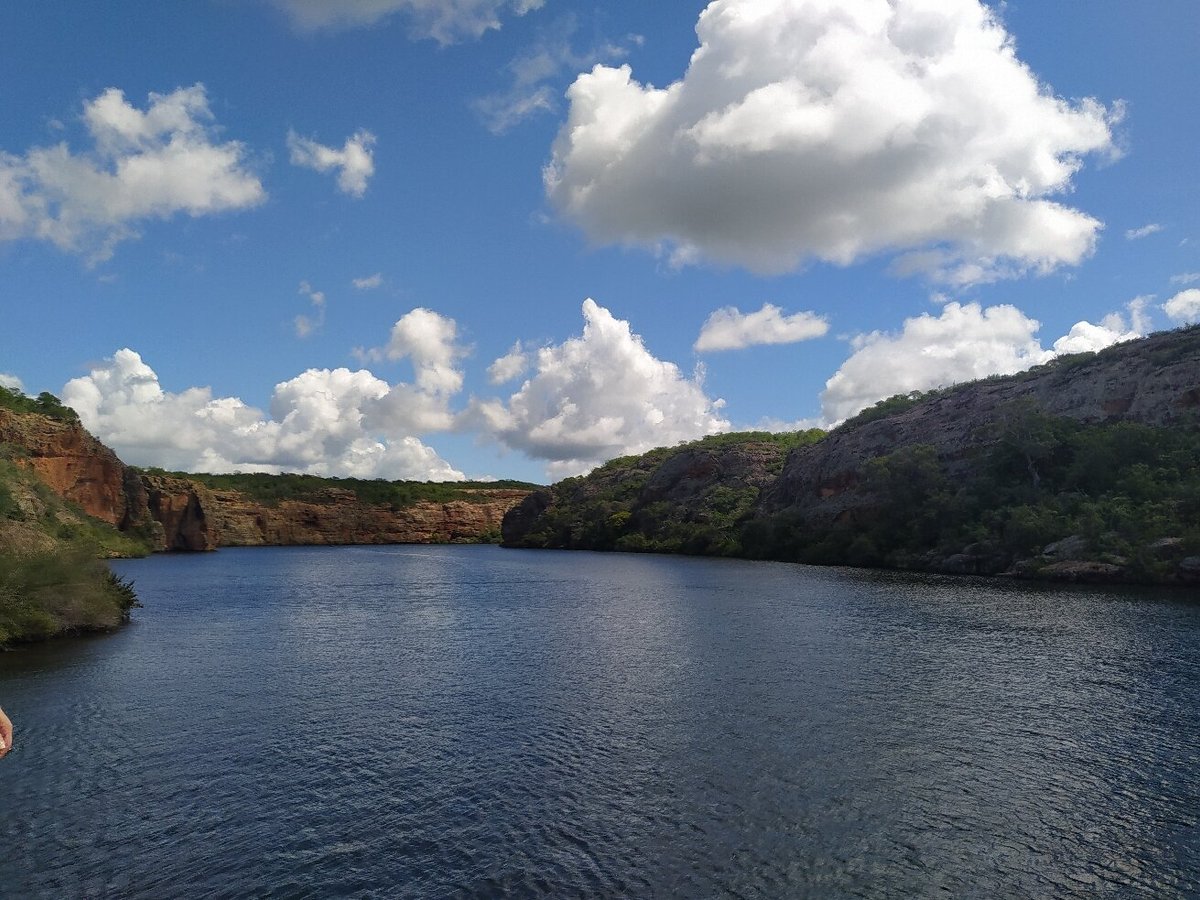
(178, 513)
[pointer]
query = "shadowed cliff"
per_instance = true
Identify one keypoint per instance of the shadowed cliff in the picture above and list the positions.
(1086, 468)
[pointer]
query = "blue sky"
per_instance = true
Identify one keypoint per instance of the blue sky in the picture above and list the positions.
(848, 200)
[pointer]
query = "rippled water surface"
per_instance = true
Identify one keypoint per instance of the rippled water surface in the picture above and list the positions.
(470, 721)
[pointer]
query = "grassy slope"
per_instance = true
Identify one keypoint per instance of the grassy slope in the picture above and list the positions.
(53, 579)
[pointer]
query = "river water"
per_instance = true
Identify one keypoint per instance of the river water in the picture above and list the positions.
(471, 721)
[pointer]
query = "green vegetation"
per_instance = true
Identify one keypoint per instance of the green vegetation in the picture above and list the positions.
(45, 404)
(1125, 489)
(271, 489)
(61, 592)
(891, 406)
(685, 499)
(1127, 495)
(52, 578)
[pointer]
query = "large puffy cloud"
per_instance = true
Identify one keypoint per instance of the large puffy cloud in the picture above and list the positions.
(598, 396)
(816, 129)
(12, 382)
(354, 162)
(446, 21)
(1184, 307)
(321, 422)
(964, 343)
(1088, 337)
(730, 329)
(145, 164)
(429, 341)
(1085, 337)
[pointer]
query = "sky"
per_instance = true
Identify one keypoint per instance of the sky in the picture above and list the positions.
(446, 239)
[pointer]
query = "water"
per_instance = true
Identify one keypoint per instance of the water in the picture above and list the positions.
(470, 721)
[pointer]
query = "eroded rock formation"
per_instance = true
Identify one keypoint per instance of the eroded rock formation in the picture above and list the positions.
(178, 513)
(76, 466)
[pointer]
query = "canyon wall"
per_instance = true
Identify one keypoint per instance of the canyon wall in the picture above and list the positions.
(178, 513)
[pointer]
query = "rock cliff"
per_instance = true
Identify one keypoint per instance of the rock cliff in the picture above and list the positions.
(1154, 381)
(76, 466)
(175, 512)
(1096, 451)
(684, 499)
(336, 516)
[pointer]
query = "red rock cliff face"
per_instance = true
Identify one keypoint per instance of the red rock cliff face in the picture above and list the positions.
(76, 466)
(180, 505)
(336, 516)
(189, 516)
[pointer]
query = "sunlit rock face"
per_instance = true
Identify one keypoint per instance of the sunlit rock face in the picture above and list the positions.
(183, 514)
(75, 465)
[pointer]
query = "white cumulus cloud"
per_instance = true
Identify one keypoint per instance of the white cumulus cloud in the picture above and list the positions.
(1184, 307)
(144, 164)
(730, 329)
(322, 422)
(354, 162)
(446, 21)
(12, 382)
(598, 396)
(429, 341)
(1114, 328)
(966, 342)
(813, 129)
(536, 74)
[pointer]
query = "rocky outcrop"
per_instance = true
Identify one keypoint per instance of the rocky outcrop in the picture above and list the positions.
(882, 489)
(336, 516)
(179, 513)
(1153, 381)
(180, 507)
(76, 466)
(685, 499)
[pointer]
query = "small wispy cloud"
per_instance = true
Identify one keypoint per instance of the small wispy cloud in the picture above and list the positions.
(538, 72)
(307, 324)
(730, 329)
(1136, 234)
(1185, 278)
(368, 283)
(354, 162)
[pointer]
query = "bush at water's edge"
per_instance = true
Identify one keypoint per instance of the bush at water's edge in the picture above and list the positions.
(68, 591)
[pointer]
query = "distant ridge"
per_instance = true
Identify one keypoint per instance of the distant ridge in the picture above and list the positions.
(1085, 468)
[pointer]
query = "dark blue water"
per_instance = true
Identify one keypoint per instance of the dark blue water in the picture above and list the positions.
(470, 721)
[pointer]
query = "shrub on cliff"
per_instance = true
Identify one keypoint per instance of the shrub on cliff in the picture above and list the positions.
(45, 404)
